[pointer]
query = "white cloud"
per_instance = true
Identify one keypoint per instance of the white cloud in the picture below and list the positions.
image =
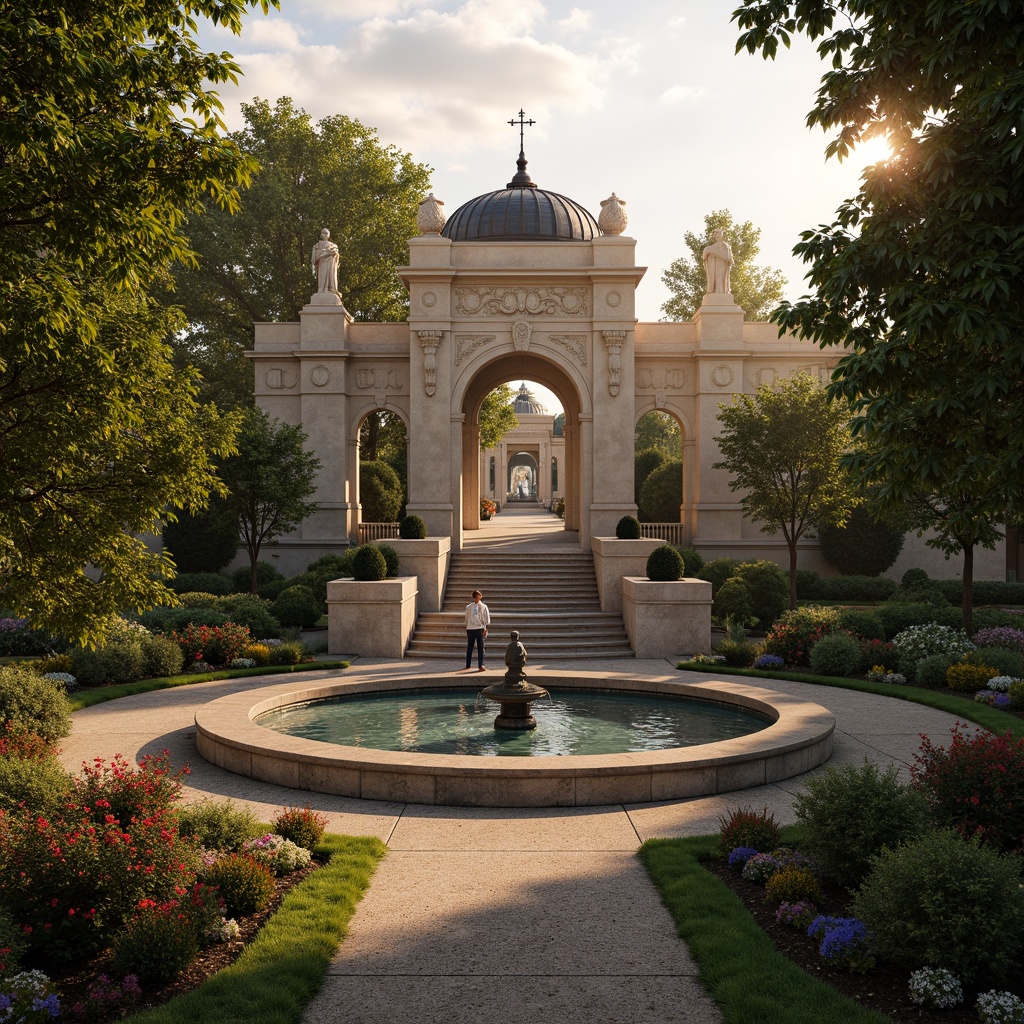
(357, 10)
(577, 20)
(440, 79)
(678, 21)
(680, 94)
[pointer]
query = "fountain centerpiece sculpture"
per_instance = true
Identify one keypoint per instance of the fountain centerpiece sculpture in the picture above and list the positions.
(515, 691)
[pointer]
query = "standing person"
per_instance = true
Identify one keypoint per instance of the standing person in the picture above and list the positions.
(477, 619)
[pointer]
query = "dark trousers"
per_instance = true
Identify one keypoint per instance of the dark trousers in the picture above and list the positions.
(475, 637)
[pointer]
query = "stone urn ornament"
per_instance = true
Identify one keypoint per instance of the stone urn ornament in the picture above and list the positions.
(430, 217)
(613, 220)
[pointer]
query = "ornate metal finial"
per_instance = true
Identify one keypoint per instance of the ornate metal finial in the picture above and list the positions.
(522, 178)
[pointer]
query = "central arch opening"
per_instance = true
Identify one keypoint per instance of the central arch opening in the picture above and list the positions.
(539, 465)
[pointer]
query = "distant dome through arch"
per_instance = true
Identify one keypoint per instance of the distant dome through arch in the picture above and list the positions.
(521, 212)
(526, 403)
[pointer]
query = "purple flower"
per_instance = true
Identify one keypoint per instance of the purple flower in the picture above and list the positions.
(768, 661)
(739, 857)
(844, 941)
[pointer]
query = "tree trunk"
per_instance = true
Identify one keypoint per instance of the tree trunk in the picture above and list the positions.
(253, 557)
(792, 573)
(968, 602)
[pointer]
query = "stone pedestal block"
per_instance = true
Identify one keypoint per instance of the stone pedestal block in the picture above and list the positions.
(371, 619)
(427, 560)
(664, 620)
(613, 559)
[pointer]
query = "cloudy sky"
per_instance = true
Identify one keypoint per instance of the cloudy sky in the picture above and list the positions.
(646, 99)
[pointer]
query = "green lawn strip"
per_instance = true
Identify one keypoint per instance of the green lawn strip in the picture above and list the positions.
(86, 698)
(990, 718)
(749, 979)
(278, 974)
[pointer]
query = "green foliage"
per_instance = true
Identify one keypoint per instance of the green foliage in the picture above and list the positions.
(202, 582)
(792, 884)
(161, 656)
(756, 289)
(332, 173)
(12, 945)
(269, 482)
(964, 678)
(252, 612)
(918, 274)
(644, 464)
(837, 654)
(219, 825)
(808, 585)
(851, 812)
(1006, 663)
(412, 528)
(33, 704)
(744, 826)
(664, 563)
(931, 671)
(296, 606)
(855, 588)
(269, 580)
(693, 561)
(865, 624)
(733, 601)
(768, 589)
(897, 616)
(717, 571)
(41, 784)
(944, 901)
(390, 558)
(738, 653)
(156, 945)
(628, 528)
(204, 541)
(914, 579)
(380, 492)
(863, 546)
(111, 136)
(301, 825)
(119, 659)
(658, 431)
(782, 446)
(368, 563)
(497, 417)
(244, 884)
(291, 652)
(794, 635)
(662, 494)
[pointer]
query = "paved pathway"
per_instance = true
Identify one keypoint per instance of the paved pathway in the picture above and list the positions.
(517, 915)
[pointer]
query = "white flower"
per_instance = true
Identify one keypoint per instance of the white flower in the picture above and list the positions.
(935, 988)
(1000, 1008)
(1001, 684)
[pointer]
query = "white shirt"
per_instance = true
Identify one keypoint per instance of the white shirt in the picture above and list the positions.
(477, 615)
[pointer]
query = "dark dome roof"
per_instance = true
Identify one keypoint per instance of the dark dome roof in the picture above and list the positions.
(521, 212)
(525, 402)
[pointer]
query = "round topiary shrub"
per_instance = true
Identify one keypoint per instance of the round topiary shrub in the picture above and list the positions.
(914, 579)
(850, 812)
(734, 602)
(296, 606)
(837, 654)
(390, 558)
(662, 494)
(243, 884)
(664, 564)
(368, 563)
(865, 546)
(412, 528)
(946, 901)
(628, 528)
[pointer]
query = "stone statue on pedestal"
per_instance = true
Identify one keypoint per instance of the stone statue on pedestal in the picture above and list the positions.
(325, 263)
(718, 263)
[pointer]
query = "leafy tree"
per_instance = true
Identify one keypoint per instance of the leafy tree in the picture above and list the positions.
(919, 274)
(756, 289)
(255, 265)
(660, 431)
(380, 492)
(269, 482)
(202, 542)
(109, 135)
(863, 546)
(662, 494)
(497, 417)
(783, 447)
(382, 436)
(644, 464)
(95, 445)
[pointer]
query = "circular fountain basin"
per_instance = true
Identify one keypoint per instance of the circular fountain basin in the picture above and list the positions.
(798, 738)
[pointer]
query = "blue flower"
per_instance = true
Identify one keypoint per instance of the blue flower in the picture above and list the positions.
(739, 856)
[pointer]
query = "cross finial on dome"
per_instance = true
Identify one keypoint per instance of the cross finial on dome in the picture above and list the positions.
(521, 178)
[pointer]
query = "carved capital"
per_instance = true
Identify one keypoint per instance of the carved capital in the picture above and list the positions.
(613, 342)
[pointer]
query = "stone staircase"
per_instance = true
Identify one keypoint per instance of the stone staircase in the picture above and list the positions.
(551, 598)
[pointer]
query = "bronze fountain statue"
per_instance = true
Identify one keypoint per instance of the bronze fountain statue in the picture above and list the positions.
(515, 692)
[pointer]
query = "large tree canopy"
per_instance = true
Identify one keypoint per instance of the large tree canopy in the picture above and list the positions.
(109, 137)
(922, 273)
(756, 289)
(255, 265)
(497, 417)
(783, 445)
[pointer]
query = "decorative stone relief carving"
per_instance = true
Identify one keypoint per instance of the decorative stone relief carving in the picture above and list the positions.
(429, 340)
(721, 376)
(613, 343)
(320, 376)
(766, 375)
(278, 379)
(377, 379)
(819, 371)
(613, 299)
(648, 379)
(516, 301)
(612, 219)
(521, 332)
(429, 299)
(574, 344)
(467, 343)
(430, 217)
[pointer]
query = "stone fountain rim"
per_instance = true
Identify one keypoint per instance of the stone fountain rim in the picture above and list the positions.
(799, 738)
